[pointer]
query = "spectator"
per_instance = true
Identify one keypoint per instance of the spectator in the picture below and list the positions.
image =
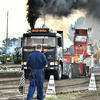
(37, 61)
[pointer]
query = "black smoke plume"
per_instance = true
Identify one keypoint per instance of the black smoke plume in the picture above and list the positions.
(33, 9)
(60, 8)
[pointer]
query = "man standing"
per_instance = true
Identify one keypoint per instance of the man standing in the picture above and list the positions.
(37, 61)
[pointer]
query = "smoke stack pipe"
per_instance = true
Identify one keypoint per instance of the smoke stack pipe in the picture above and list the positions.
(62, 43)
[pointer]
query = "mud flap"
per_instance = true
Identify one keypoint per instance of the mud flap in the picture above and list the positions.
(27, 72)
(75, 70)
(84, 69)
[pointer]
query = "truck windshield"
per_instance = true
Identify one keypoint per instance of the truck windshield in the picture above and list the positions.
(80, 39)
(42, 40)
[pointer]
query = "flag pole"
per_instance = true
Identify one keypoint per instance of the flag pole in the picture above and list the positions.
(7, 32)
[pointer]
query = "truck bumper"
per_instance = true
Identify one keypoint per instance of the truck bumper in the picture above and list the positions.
(51, 68)
(24, 67)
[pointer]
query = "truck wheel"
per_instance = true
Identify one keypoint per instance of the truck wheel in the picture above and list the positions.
(90, 72)
(58, 74)
(15, 60)
(27, 72)
(69, 73)
(4, 59)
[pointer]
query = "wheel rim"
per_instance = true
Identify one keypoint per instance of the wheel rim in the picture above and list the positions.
(60, 71)
(70, 75)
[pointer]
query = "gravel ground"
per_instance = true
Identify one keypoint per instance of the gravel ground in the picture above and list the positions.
(88, 95)
(81, 95)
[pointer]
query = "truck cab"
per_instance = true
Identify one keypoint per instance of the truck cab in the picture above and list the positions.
(81, 40)
(52, 47)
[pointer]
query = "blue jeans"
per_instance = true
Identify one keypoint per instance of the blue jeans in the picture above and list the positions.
(36, 79)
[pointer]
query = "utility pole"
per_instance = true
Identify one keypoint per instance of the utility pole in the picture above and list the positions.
(7, 32)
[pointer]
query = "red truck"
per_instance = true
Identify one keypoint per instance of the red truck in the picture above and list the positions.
(81, 61)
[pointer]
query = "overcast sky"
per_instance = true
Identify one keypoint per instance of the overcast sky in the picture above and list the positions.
(17, 22)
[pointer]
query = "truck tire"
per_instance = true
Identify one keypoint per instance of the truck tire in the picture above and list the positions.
(15, 60)
(4, 59)
(58, 73)
(90, 72)
(27, 72)
(69, 76)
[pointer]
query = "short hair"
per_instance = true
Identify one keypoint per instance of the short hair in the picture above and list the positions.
(38, 47)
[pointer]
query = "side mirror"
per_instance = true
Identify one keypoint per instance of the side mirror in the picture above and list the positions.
(21, 42)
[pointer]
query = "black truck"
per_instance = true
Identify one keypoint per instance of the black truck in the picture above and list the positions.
(52, 47)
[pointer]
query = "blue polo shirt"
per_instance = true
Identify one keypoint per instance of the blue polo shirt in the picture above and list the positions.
(37, 60)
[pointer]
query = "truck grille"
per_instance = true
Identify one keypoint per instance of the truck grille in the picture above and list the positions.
(26, 55)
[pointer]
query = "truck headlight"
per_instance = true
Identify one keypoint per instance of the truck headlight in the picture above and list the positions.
(25, 63)
(51, 63)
